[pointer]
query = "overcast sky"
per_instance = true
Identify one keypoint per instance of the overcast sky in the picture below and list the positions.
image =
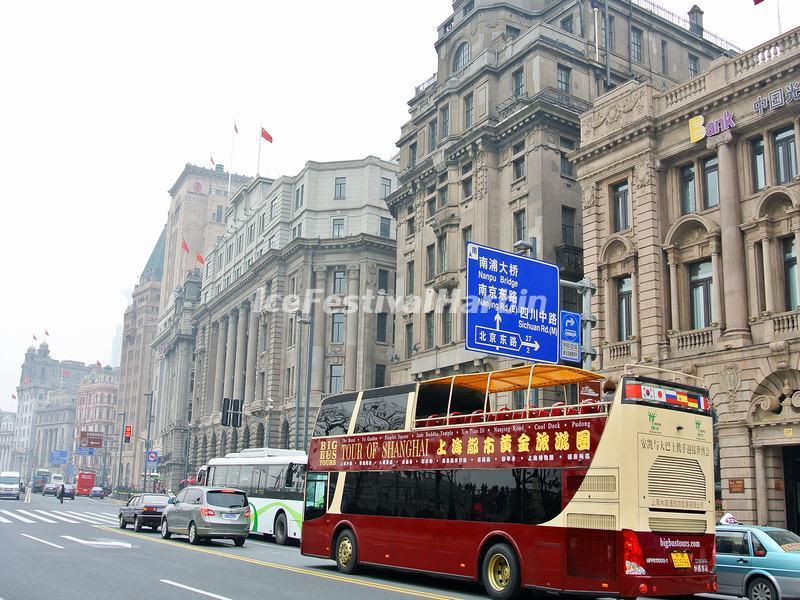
(103, 105)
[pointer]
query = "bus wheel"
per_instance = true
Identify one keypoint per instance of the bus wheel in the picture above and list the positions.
(500, 572)
(280, 529)
(346, 552)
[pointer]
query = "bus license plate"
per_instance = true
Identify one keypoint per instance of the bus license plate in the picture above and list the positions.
(233, 516)
(680, 560)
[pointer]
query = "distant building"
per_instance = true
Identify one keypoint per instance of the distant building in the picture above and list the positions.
(55, 428)
(116, 346)
(691, 212)
(96, 411)
(7, 440)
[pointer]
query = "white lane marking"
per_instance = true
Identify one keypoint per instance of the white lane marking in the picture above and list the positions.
(42, 541)
(113, 517)
(55, 516)
(4, 520)
(107, 518)
(96, 542)
(191, 589)
(72, 515)
(13, 516)
(30, 514)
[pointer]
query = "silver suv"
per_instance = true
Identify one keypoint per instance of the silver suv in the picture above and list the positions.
(205, 513)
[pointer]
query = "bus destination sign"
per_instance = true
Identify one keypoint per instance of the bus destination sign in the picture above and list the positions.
(547, 444)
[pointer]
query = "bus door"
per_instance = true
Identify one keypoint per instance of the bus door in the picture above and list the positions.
(315, 506)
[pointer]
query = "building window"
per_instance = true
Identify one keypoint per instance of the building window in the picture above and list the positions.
(430, 255)
(607, 34)
(469, 7)
(409, 339)
(272, 206)
(340, 188)
(518, 168)
(339, 282)
(758, 165)
(466, 238)
(710, 182)
(785, 155)
(412, 155)
(461, 58)
(433, 129)
(568, 225)
(468, 106)
(694, 65)
(444, 117)
(430, 206)
(429, 330)
(520, 231)
(518, 82)
(624, 299)
(466, 188)
(636, 45)
(410, 222)
(383, 280)
(564, 74)
(512, 31)
(380, 375)
(700, 290)
(790, 273)
(443, 197)
(688, 199)
(338, 228)
(410, 277)
(567, 24)
(619, 194)
(290, 333)
(337, 328)
(297, 231)
(664, 57)
(380, 327)
(336, 379)
(447, 325)
(218, 216)
(442, 243)
(298, 198)
(385, 228)
(386, 187)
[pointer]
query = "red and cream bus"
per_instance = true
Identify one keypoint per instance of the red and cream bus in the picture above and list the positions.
(509, 479)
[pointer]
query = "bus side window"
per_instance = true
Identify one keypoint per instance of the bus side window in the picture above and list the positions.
(218, 476)
(315, 495)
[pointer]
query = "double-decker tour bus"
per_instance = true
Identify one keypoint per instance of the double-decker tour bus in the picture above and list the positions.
(41, 477)
(509, 479)
(273, 480)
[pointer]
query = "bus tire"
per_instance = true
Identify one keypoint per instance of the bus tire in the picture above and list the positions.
(346, 552)
(500, 572)
(761, 588)
(280, 529)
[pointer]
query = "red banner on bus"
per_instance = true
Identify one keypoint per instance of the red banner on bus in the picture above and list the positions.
(547, 444)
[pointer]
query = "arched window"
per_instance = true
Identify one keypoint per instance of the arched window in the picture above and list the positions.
(461, 57)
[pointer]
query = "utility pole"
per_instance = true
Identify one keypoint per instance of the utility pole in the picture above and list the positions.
(119, 465)
(149, 396)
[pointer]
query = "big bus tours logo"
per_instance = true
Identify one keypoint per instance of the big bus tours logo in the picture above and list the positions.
(655, 426)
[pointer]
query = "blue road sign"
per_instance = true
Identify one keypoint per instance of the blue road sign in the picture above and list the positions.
(84, 451)
(58, 457)
(151, 458)
(512, 305)
(570, 336)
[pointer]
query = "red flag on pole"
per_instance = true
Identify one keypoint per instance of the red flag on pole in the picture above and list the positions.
(200, 258)
(235, 128)
(46, 332)
(757, 2)
(266, 135)
(185, 246)
(13, 396)
(35, 339)
(213, 164)
(98, 364)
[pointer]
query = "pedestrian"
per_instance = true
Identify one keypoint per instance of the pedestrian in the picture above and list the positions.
(609, 389)
(61, 494)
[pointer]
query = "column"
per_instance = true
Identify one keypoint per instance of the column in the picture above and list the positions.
(732, 242)
(230, 354)
(634, 305)
(762, 502)
(608, 317)
(318, 352)
(797, 251)
(351, 332)
(241, 351)
(769, 276)
(717, 291)
(752, 264)
(219, 368)
(252, 349)
(675, 310)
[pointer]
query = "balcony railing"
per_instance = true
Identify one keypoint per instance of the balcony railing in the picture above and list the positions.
(620, 353)
(570, 260)
(694, 341)
(425, 85)
(786, 324)
(684, 23)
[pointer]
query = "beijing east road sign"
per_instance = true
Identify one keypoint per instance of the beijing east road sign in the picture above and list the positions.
(512, 305)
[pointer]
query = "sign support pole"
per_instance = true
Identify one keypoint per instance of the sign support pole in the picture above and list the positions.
(119, 465)
(586, 288)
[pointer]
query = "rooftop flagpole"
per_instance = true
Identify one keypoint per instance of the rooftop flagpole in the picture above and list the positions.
(258, 168)
(230, 165)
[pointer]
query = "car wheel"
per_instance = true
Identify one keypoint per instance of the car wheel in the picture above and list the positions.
(500, 572)
(346, 552)
(280, 529)
(122, 524)
(761, 589)
(165, 533)
(137, 524)
(194, 539)
(239, 541)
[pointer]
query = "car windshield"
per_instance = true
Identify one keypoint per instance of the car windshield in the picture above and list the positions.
(226, 499)
(788, 541)
(9, 480)
(155, 499)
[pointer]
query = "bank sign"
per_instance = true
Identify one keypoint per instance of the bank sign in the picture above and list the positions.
(698, 129)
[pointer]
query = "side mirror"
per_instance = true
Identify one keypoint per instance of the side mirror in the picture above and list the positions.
(172, 501)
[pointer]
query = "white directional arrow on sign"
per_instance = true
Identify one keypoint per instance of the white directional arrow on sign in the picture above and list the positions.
(497, 320)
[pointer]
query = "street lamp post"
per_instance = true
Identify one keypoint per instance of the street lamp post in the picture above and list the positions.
(309, 322)
(121, 441)
(149, 396)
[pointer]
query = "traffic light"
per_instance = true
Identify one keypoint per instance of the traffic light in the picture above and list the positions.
(128, 434)
(236, 413)
(226, 412)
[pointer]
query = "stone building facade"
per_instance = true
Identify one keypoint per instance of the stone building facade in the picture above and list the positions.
(7, 440)
(55, 428)
(136, 362)
(691, 211)
(96, 410)
(325, 232)
(483, 156)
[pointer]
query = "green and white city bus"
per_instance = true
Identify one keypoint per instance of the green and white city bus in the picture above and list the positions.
(273, 480)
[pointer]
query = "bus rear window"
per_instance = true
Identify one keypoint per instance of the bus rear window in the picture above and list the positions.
(226, 499)
(643, 390)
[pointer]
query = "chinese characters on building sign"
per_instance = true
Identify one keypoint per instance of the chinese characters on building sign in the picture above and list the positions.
(777, 98)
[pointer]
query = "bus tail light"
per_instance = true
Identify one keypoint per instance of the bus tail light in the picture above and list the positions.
(632, 553)
(642, 588)
(207, 512)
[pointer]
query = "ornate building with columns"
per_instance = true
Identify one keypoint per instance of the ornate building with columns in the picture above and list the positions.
(483, 155)
(7, 440)
(323, 233)
(55, 428)
(691, 211)
(96, 410)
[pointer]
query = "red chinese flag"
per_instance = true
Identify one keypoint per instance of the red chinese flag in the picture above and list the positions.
(633, 390)
(35, 339)
(185, 246)
(98, 364)
(265, 134)
(200, 258)
(757, 2)
(13, 396)
(213, 164)
(235, 128)
(46, 332)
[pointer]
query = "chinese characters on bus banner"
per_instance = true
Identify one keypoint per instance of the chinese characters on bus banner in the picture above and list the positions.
(545, 444)
(777, 98)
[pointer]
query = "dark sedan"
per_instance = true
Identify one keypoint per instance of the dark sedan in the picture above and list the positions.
(69, 491)
(50, 489)
(143, 510)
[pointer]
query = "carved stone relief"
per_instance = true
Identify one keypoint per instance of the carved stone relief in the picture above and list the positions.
(731, 379)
